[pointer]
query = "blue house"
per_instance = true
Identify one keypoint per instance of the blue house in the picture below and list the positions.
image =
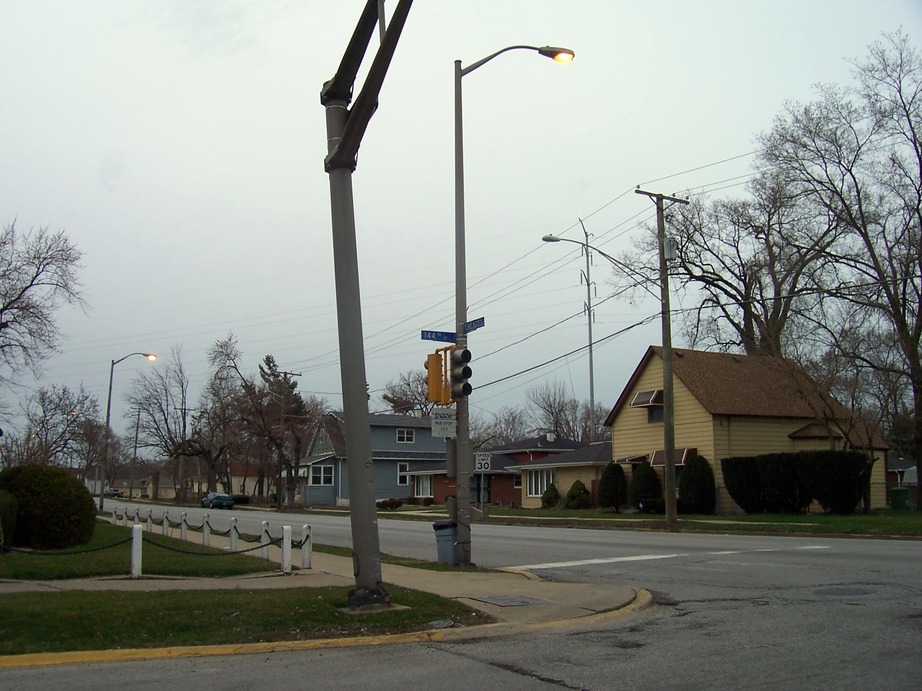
(399, 443)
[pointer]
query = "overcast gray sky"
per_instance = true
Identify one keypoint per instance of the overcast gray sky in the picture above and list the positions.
(180, 144)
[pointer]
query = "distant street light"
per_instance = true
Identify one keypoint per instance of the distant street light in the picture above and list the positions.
(460, 454)
(100, 486)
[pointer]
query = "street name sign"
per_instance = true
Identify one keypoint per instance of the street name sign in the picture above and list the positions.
(443, 336)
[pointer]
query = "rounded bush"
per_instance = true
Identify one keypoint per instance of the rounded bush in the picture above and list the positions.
(55, 510)
(645, 484)
(578, 496)
(551, 497)
(697, 491)
(613, 487)
(8, 509)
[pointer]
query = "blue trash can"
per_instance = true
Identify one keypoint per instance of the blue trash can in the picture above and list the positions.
(446, 534)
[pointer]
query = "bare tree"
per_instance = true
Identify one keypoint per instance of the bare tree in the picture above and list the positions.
(409, 394)
(856, 153)
(38, 274)
(552, 409)
(58, 419)
(161, 395)
(508, 424)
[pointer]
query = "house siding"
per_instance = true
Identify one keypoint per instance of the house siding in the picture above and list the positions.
(716, 437)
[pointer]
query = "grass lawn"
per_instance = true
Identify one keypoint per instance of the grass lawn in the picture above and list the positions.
(111, 556)
(75, 620)
(38, 622)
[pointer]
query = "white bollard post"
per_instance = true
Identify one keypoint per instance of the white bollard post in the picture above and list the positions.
(125, 518)
(206, 530)
(166, 523)
(233, 535)
(183, 527)
(264, 540)
(286, 549)
(114, 518)
(136, 539)
(306, 546)
(150, 520)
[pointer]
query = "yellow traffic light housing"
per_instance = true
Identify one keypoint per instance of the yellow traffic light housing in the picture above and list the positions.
(438, 390)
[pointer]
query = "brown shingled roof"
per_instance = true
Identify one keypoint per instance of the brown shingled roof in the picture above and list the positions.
(730, 384)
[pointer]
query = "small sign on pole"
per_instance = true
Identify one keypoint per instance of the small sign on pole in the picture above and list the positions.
(482, 462)
(444, 423)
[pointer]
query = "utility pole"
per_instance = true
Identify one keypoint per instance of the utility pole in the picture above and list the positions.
(669, 485)
(589, 318)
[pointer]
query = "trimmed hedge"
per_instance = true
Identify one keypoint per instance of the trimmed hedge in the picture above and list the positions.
(697, 491)
(8, 509)
(613, 487)
(789, 482)
(55, 510)
(645, 486)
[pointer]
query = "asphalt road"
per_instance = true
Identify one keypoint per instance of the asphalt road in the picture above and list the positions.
(735, 612)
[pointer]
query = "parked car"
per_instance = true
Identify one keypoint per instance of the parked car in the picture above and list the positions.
(112, 493)
(217, 500)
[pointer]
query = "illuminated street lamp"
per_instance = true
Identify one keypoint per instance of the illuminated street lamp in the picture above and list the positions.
(459, 452)
(100, 486)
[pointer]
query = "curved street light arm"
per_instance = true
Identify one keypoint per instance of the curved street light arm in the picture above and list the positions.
(558, 54)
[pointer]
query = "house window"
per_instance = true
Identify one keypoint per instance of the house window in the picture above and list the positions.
(422, 486)
(655, 413)
(517, 481)
(406, 436)
(403, 478)
(321, 475)
(538, 481)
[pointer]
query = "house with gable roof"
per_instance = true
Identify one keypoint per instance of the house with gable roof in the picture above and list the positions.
(399, 444)
(734, 405)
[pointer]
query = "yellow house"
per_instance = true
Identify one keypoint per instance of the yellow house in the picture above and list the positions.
(734, 405)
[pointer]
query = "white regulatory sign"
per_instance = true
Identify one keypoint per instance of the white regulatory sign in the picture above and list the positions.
(482, 462)
(443, 423)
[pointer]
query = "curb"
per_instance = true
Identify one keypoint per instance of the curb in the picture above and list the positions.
(643, 599)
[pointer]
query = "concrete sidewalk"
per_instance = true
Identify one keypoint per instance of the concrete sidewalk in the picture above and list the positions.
(520, 603)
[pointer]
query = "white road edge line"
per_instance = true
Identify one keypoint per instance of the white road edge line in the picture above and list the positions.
(590, 562)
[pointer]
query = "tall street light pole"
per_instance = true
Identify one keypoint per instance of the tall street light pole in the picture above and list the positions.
(105, 451)
(459, 452)
(589, 315)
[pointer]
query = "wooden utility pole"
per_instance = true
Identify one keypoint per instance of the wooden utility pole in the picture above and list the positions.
(666, 254)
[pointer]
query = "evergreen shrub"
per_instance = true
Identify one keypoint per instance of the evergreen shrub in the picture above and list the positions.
(578, 497)
(645, 486)
(8, 508)
(697, 491)
(551, 497)
(613, 487)
(55, 510)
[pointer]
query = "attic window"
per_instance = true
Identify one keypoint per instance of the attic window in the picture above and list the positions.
(645, 399)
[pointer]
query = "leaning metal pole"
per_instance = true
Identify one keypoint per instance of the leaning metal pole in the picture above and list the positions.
(366, 554)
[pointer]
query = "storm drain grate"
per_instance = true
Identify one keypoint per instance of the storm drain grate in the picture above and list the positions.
(510, 600)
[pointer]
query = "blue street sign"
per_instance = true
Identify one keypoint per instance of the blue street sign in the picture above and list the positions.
(474, 325)
(443, 336)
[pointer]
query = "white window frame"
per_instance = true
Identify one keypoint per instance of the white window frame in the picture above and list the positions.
(538, 481)
(422, 486)
(325, 476)
(406, 435)
(403, 477)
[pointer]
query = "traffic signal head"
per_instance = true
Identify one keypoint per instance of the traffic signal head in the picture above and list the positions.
(460, 373)
(437, 389)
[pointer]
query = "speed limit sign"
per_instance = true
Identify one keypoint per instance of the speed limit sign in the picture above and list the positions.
(482, 462)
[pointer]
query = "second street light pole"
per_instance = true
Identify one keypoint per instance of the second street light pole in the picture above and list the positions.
(459, 453)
